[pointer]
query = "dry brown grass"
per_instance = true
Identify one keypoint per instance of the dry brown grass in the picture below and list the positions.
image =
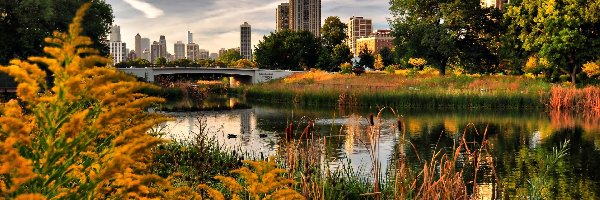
(570, 99)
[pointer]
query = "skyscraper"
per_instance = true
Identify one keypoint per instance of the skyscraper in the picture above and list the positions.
(138, 46)
(163, 47)
(190, 37)
(156, 52)
(245, 41)
(179, 50)
(306, 15)
(118, 49)
(282, 15)
(358, 27)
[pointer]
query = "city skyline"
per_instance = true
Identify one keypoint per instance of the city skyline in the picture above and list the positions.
(215, 25)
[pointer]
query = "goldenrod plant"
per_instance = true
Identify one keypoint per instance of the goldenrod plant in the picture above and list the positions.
(264, 182)
(82, 137)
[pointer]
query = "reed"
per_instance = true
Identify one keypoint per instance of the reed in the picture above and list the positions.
(440, 177)
(570, 99)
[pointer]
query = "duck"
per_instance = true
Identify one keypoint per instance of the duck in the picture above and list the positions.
(262, 135)
(229, 136)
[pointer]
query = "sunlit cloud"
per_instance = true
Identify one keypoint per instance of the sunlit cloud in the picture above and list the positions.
(148, 9)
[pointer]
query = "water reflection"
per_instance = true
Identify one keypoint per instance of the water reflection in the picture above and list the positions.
(518, 142)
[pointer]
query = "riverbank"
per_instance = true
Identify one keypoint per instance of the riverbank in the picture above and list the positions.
(430, 91)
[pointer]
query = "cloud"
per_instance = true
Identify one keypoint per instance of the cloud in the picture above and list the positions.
(148, 9)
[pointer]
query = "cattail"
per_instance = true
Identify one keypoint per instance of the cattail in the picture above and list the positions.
(307, 130)
(371, 122)
(289, 131)
(399, 125)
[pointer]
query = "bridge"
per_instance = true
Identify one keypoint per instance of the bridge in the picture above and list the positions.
(242, 75)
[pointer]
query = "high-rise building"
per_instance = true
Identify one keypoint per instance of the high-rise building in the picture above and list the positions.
(118, 49)
(282, 15)
(358, 27)
(155, 52)
(222, 51)
(138, 46)
(203, 54)
(245, 41)
(193, 51)
(499, 4)
(145, 46)
(115, 33)
(306, 15)
(179, 50)
(163, 46)
(376, 41)
(190, 37)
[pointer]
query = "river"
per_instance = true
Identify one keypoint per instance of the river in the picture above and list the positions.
(518, 140)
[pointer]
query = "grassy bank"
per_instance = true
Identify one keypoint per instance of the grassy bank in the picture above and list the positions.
(415, 91)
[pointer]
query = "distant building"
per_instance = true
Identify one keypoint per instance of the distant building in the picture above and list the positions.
(146, 54)
(214, 56)
(306, 15)
(282, 17)
(376, 41)
(190, 37)
(358, 27)
(499, 4)
(145, 46)
(118, 49)
(132, 55)
(163, 46)
(156, 52)
(203, 54)
(246, 41)
(138, 46)
(193, 51)
(179, 48)
(222, 51)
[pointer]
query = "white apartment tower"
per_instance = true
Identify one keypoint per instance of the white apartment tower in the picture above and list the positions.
(118, 49)
(358, 27)
(306, 15)
(246, 41)
(179, 50)
(282, 15)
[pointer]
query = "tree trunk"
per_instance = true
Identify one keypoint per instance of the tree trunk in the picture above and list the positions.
(443, 67)
(574, 75)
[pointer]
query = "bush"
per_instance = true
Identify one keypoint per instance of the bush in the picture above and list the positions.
(346, 68)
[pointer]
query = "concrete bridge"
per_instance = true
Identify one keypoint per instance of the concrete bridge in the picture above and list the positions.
(242, 75)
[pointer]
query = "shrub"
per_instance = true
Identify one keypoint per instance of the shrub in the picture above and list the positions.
(592, 69)
(346, 68)
(417, 62)
(85, 137)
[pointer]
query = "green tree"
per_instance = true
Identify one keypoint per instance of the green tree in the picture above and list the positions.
(288, 50)
(325, 61)
(333, 32)
(442, 30)
(341, 54)
(230, 56)
(25, 24)
(162, 61)
(387, 56)
(366, 57)
(563, 32)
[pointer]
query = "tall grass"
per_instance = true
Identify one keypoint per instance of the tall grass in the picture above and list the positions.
(570, 99)
(452, 91)
(440, 177)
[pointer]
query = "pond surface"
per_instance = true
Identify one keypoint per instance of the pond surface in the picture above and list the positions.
(518, 141)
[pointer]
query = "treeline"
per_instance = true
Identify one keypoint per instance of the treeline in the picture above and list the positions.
(554, 40)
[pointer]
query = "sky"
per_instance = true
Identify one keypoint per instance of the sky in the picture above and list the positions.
(216, 23)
